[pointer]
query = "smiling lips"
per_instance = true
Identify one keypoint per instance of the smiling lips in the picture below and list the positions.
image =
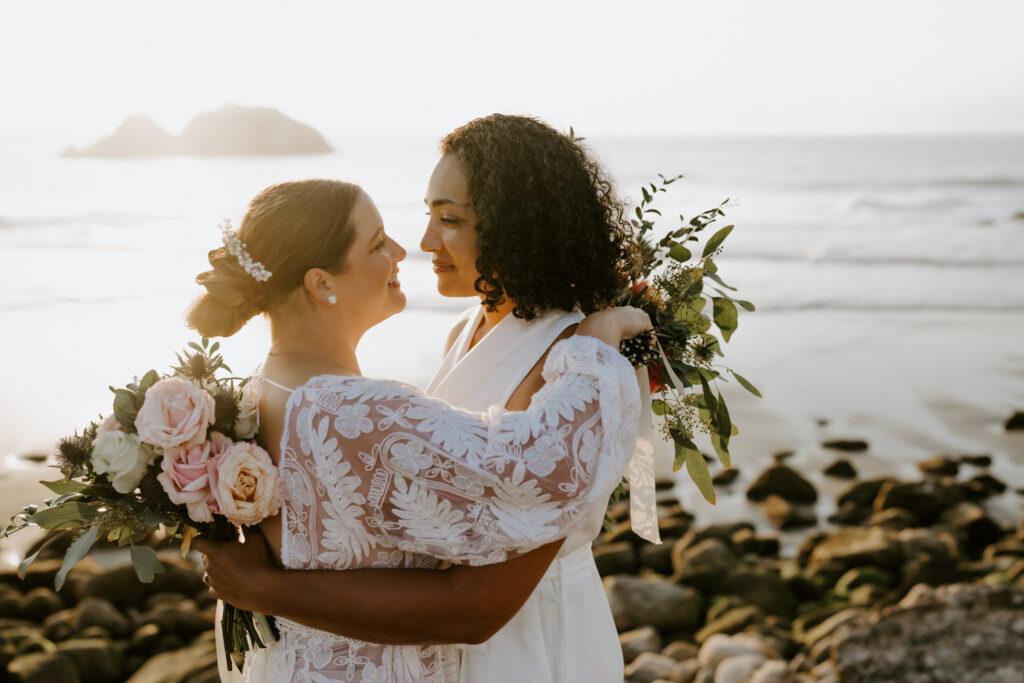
(393, 282)
(442, 267)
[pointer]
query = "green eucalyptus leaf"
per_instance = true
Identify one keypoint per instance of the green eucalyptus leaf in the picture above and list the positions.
(746, 304)
(709, 400)
(61, 500)
(716, 240)
(699, 325)
(724, 423)
(75, 553)
(125, 409)
(706, 373)
(147, 564)
(148, 380)
(678, 252)
(721, 447)
(32, 558)
(647, 195)
(696, 467)
(197, 347)
(62, 487)
(746, 384)
(719, 280)
(726, 316)
(659, 407)
(65, 516)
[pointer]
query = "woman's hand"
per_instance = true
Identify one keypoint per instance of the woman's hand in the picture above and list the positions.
(235, 572)
(612, 325)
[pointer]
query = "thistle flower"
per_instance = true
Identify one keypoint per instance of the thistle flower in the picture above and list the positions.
(703, 351)
(197, 366)
(73, 454)
(152, 490)
(225, 409)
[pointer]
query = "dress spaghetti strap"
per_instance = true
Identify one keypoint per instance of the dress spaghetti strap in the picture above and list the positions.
(270, 381)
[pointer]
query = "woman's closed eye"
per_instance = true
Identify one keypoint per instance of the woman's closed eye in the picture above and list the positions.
(447, 220)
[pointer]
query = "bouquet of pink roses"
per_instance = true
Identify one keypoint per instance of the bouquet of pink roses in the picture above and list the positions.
(174, 456)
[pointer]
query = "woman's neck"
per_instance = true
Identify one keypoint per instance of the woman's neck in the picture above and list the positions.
(491, 320)
(313, 342)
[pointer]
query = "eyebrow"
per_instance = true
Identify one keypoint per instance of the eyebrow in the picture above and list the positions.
(439, 202)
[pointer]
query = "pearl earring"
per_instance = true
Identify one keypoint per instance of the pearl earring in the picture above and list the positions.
(332, 299)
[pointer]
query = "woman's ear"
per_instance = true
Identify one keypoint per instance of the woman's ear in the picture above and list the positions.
(319, 286)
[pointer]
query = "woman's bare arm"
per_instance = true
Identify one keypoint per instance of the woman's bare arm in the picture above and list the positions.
(461, 604)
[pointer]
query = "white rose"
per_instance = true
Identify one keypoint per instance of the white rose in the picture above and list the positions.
(247, 423)
(121, 456)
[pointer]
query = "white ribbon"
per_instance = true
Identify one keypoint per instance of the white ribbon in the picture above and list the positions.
(643, 512)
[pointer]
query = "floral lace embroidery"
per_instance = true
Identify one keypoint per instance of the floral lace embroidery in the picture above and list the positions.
(378, 475)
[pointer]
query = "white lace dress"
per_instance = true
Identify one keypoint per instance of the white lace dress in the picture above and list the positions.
(378, 475)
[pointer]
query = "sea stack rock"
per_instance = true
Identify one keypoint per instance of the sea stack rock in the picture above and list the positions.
(248, 131)
(229, 131)
(137, 136)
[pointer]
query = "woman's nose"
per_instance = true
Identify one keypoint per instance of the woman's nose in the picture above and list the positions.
(430, 241)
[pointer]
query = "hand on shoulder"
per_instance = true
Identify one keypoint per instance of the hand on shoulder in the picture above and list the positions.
(612, 325)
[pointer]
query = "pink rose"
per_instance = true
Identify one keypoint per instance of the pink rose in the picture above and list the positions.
(247, 487)
(186, 476)
(175, 413)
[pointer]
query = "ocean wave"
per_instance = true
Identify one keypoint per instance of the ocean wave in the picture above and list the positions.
(107, 218)
(897, 307)
(984, 181)
(878, 205)
(879, 260)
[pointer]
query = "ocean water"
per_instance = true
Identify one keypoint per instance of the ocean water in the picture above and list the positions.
(97, 257)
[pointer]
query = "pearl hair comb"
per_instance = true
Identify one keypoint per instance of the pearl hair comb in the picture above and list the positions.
(237, 249)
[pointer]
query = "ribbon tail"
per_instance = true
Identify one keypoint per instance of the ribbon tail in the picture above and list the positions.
(643, 513)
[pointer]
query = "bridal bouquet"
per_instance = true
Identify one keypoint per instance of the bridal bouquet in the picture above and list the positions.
(670, 281)
(175, 456)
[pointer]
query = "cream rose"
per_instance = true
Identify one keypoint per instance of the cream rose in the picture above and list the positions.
(175, 413)
(246, 484)
(247, 423)
(186, 476)
(121, 456)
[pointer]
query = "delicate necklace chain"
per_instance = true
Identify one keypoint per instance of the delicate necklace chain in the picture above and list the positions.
(317, 355)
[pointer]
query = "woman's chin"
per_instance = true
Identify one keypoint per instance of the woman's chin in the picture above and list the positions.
(398, 302)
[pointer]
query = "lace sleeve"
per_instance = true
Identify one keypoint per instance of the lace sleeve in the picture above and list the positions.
(397, 469)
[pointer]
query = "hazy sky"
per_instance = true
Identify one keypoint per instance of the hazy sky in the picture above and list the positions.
(374, 67)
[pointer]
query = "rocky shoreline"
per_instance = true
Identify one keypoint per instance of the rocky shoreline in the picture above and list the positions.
(909, 580)
(104, 626)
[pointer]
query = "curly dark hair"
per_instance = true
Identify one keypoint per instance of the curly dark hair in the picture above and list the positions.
(550, 230)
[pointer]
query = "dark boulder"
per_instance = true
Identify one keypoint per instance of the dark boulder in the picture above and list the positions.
(841, 469)
(785, 482)
(848, 445)
(952, 633)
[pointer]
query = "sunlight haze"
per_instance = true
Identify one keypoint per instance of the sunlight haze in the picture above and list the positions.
(651, 68)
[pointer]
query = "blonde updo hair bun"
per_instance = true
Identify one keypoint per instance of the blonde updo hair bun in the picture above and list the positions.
(289, 228)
